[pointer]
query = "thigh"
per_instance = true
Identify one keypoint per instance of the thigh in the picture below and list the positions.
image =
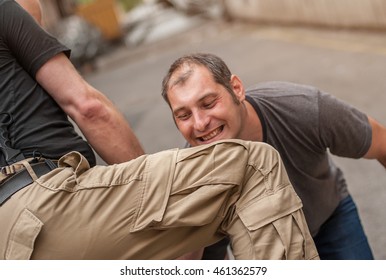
(72, 212)
(342, 236)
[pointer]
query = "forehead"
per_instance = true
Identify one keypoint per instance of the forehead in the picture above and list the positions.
(190, 72)
(192, 83)
(196, 86)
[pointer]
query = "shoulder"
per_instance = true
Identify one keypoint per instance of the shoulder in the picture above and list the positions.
(11, 15)
(5, 1)
(281, 88)
(279, 94)
(8, 5)
(5, 7)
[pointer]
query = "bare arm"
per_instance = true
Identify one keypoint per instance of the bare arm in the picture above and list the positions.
(378, 144)
(101, 123)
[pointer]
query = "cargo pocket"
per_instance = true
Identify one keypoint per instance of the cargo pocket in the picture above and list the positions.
(310, 251)
(154, 192)
(22, 236)
(291, 236)
(272, 227)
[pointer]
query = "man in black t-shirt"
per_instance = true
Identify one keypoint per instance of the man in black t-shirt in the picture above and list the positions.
(40, 89)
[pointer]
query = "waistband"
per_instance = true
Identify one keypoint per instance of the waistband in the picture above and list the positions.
(23, 178)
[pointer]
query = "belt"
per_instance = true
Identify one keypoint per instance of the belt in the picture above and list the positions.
(22, 178)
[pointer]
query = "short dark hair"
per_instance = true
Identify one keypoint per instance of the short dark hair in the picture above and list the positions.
(220, 71)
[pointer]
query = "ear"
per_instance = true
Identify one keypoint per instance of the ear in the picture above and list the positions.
(238, 88)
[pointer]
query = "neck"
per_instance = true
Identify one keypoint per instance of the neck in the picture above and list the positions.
(253, 128)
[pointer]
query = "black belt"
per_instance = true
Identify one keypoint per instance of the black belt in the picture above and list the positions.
(22, 178)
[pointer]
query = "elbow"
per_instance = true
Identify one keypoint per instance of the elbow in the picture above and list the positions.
(92, 110)
(382, 161)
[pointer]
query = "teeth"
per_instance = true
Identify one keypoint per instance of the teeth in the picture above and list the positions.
(211, 135)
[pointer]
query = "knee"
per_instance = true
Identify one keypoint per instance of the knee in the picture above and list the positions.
(262, 156)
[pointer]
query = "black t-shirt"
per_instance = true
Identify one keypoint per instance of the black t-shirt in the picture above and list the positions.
(39, 125)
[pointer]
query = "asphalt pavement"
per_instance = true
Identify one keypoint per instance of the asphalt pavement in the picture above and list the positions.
(349, 64)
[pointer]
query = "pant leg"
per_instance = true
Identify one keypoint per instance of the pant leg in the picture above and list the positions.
(246, 190)
(158, 206)
(342, 236)
(268, 221)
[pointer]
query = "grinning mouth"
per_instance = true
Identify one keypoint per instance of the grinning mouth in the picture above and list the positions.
(211, 135)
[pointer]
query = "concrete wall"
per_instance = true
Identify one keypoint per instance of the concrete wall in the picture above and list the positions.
(332, 13)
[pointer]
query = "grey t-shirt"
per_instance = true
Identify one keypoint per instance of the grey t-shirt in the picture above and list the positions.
(305, 125)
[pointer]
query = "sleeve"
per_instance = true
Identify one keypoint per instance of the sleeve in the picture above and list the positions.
(343, 129)
(31, 45)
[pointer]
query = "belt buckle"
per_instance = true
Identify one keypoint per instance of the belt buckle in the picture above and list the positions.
(8, 170)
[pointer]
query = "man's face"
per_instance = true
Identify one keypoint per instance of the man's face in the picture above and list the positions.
(204, 111)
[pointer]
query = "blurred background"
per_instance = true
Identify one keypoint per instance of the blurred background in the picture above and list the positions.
(124, 49)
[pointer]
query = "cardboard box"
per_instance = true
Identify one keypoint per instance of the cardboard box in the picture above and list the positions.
(105, 15)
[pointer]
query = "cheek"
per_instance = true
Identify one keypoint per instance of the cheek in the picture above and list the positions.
(184, 129)
(234, 120)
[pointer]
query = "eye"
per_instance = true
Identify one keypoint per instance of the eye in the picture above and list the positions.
(209, 104)
(182, 116)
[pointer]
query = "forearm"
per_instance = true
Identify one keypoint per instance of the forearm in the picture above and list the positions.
(115, 147)
(110, 135)
(102, 124)
(383, 161)
(377, 149)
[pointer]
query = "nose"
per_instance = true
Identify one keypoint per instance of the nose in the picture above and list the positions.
(201, 121)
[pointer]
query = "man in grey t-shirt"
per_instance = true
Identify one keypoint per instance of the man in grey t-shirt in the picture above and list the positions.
(304, 124)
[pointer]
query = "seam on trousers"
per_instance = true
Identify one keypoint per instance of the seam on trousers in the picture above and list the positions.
(306, 256)
(23, 235)
(285, 253)
(147, 215)
(303, 235)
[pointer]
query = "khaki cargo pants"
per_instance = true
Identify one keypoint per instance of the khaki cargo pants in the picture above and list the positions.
(160, 206)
